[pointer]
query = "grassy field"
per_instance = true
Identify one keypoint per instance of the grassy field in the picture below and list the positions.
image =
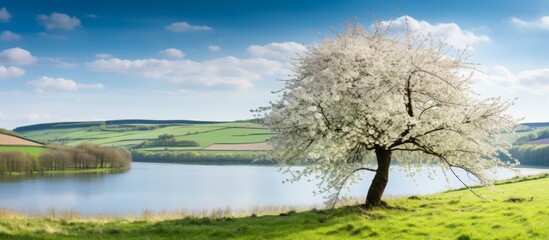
(517, 210)
(128, 135)
(204, 134)
(27, 149)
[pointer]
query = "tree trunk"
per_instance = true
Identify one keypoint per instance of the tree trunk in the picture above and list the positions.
(380, 179)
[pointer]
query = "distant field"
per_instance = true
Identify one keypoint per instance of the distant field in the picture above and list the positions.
(218, 140)
(515, 136)
(34, 150)
(127, 134)
(14, 143)
(10, 140)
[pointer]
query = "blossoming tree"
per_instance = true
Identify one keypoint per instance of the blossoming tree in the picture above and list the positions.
(365, 98)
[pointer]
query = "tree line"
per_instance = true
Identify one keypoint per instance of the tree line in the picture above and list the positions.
(166, 140)
(200, 158)
(61, 157)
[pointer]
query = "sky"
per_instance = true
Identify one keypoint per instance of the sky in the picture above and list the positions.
(66, 60)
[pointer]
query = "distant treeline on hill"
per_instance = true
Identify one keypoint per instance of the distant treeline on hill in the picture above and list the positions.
(60, 157)
(200, 158)
(64, 125)
(166, 140)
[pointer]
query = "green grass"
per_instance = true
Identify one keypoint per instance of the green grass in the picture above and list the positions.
(450, 215)
(34, 150)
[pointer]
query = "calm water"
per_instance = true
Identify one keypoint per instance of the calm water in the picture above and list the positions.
(159, 186)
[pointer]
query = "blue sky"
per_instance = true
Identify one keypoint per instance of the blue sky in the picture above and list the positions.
(69, 60)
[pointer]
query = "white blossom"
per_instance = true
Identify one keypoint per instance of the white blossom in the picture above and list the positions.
(361, 90)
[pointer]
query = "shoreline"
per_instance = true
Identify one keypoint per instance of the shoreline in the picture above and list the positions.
(62, 172)
(222, 212)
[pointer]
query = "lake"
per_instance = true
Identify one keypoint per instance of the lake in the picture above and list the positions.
(161, 186)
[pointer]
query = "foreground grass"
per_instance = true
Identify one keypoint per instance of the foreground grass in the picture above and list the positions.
(451, 215)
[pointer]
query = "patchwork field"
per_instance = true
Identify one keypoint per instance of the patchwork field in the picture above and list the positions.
(8, 140)
(14, 143)
(210, 137)
(207, 142)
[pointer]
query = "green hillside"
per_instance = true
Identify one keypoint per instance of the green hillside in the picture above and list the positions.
(200, 134)
(130, 133)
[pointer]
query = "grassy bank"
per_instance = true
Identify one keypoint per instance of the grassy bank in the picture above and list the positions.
(64, 172)
(519, 211)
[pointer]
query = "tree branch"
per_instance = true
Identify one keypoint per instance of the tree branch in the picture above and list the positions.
(430, 151)
(340, 187)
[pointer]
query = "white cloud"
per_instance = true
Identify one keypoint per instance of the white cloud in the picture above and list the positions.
(61, 84)
(5, 16)
(59, 21)
(172, 53)
(95, 86)
(214, 48)
(177, 92)
(2, 116)
(186, 27)
(450, 32)
(533, 81)
(9, 36)
(275, 50)
(541, 23)
(9, 72)
(58, 62)
(52, 36)
(16, 56)
(221, 72)
(103, 55)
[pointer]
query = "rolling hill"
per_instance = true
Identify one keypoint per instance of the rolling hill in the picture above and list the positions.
(208, 138)
(198, 141)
